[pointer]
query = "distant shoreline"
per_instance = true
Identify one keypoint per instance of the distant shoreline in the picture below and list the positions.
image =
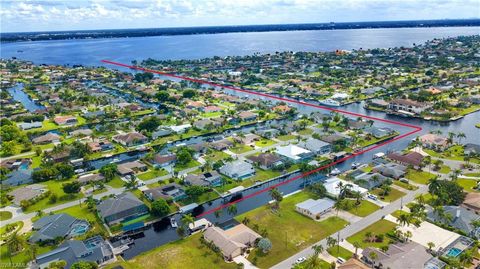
(123, 33)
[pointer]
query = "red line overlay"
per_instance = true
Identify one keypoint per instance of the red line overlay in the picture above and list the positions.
(415, 128)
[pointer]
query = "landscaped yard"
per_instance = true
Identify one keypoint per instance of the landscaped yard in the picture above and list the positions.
(240, 148)
(116, 182)
(377, 228)
(405, 185)
(184, 253)
(55, 187)
(190, 164)
(264, 143)
(262, 175)
(445, 169)
(288, 230)
(152, 174)
(5, 215)
(337, 251)
(82, 212)
(364, 209)
(393, 195)
(468, 184)
(216, 155)
(420, 177)
(286, 137)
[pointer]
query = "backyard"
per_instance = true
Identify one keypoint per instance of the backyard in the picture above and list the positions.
(293, 231)
(380, 227)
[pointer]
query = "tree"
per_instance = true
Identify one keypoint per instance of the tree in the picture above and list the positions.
(373, 256)
(265, 245)
(356, 245)
(84, 265)
(149, 124)
(276, 195)
(109, 171)
(317, 249)
(195, 191)
(232, 209)
(160, 208)
(184, 156)
(430, 245)
(447, 192)
(187, 220)
(318, 189)
(331, 242)
(72, 187)
(57, 264)
(189, 93)
(131, 183)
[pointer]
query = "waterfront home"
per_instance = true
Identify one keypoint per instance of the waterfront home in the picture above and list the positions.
(170, 191)
(316, 146)
(433, 141)
(232, 242)
(378, 132)
(238, 170)
(407, 106)
(51, 227)
(212, 178)
(220, 145)
(198, 149)
(30, 125)
(461, 219)
(205, 124)
(85, 179)
(130, 139)
(161, 132)
(247, 139)
(354, 263)
(398, 255)
(130, 168)
(65, 120)
(265, 160)
(18, 177)
(14, 164)
(180, 128)
(94, 249)
(94, 114)
(81, 132)
(124, 206)
(472, 202)
(100, 145)
(46, 138)
(334, 186)
(471, 149)
(294, 153)
(268, 132)
(392, 170)
(247, 116)
(337, 138)
(163, 160)
(412, 158)
(27, 193)
(315, 208)
(282, 109)
(209, 109)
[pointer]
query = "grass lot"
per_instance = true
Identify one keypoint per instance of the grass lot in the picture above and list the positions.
(152, 174)
(392, 196)
(305, 132)
(467, 184)
(397, 213)
(377, 228)
(55, 187)
(262, 175)
(184, 253)
(264, 143)
(17, 226)
(240, 148)
(216, 155)
(116, 182)
(5, 215)
(420, 177)
(21, 258)
(288, 230)
(445, 169)
(405, 185)
(212, 114)
(336, 251)
(472, 174)
(82, 212)
(286, 137)
(206, 196)
(364, 209)
(190, 164)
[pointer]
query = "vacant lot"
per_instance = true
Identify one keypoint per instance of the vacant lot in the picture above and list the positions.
(380, 227)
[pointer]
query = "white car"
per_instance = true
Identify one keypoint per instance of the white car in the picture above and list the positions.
(300, 260)
(340, 260)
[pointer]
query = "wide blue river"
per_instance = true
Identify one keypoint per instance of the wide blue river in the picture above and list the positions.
(91, 51)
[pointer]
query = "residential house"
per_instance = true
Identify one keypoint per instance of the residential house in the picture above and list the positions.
(164, 160)
(65, 120)
(221, 145)
(392, 170)
(209, 109)
(179, 129)
(334, 186)
(26, 193)
(265, 160)
(472, 202)
(206, 124)
(316, 146)
(161, 132)
(378, 132)
(247, 116)
(212, 178)
(407, 106)
(85, 179)
(46, 138)
(268, 133)
(62, 225)
(433, 141)
(130, 139)
(247, 139)
(232, 242)
(30, 125)
(315, 208)
(94, 249)
(294, 153)
(170, 191)
(471, 149)
(370, 180)
(18, 177)
(461, 219)
(399, 255)
(82, 132)
(412, 158)
(130, 168)
(123, 206)
(94, 114)
(238, 170)
(353, 263)
(101, 145)
(198, 149)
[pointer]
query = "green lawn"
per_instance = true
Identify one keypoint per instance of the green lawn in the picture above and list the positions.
(240, 148)
(286, 137)
(184, 253)
(264, 143)
(337, 251)
(179, 167)
(364, 209)
(472, 174)
(216, 155)
(82, 212)
(305, 132)
(262, 175)
(377, 228)
(468, 184)
(116, 182)
(420, 177)
(5, 215)
(16, 226)
(405, 185)
(212, 114)
(288, 230)
(152, 174)
(445, 169)
(55, 187)
(392, 196)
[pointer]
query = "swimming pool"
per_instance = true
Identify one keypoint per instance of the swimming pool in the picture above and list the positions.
(79, 230)
(454, 252)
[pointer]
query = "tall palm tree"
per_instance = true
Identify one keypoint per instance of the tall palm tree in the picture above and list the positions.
(430, 245)
(460, 136)
(317, 249)
(356, 245)
(373, 256)
(187, 220)
(277, 196)
(403, 220)
(232, 209)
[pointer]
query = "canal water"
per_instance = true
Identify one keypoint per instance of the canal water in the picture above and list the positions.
(19, 95)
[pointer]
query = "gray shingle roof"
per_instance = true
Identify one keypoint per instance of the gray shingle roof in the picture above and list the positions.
(116, 205)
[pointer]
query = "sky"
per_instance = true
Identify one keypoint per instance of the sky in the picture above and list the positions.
(57, 15)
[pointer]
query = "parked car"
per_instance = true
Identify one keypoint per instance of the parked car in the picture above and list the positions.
(300, 260)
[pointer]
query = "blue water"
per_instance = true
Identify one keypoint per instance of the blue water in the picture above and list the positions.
(454, 252)
(91, 51)
(20, 96)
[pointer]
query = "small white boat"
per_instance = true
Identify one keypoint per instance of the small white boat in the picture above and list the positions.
(330, 102)
(173, 223)
(356, 165)
(335, 172)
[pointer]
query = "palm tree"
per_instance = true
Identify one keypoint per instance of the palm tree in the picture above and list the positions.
(372, 256)
(131, 183)
(217, 213)
(187, 220)
(317, 249)
(232, 210)
(356, 245)
(277, 196)
(403, 220)
(430, 245)
(338, 205)
(407, 235)
(460, 136)
(331, 242)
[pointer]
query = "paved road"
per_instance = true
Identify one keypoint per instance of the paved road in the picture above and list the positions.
(356, 226)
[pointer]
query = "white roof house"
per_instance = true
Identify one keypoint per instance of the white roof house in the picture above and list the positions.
(315, 208)
(332, 186)
(293, 152)
(180, 128)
